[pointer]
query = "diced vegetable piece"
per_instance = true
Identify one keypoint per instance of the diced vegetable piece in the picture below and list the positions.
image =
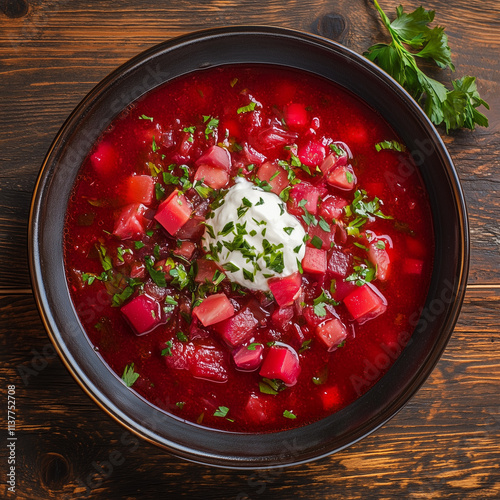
(238, 328)
(205, 361)
(332, 161)
(285, 290)
(208, 363)
(303, 191)
(186, 249)
(139, 189)
(338, 264)
(104, 159)
(206, 270)
(343, 289)
(281, 362)
(342, 177)
(314, 261)
(131, 222)
(413, 266)
(332, 207)
(332, 332)
(331, 398)
(282, 316)
(415, 247)
(217, 157)
(193, 229)
(258, 408)
(326, 237)
(214, 177)
(365, 303)
(274, 175)
(379, 258)
(273, 137)
(248, 359)
(295, 115)
(213, 309)
(143, 314)
(312, 153)
(174, 212)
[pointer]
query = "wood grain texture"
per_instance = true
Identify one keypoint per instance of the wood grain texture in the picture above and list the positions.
(443, 444)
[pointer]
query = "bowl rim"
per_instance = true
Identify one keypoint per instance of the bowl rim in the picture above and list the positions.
(39, 287)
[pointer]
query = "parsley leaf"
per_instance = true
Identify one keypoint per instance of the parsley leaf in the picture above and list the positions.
(129, 376)
(454, 108)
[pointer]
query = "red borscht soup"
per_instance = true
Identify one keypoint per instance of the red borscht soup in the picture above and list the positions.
(249, 247)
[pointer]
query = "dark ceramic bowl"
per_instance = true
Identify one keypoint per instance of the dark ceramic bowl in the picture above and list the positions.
(230, 46)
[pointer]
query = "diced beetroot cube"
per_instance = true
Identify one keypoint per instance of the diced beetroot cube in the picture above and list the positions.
(332, 207)
(174, 212)
(331, 398)
(281, 362)
(206, 270)
(295, 115)
(205, 361)
(413, 266)
(379, 258)
(312, 319)
(213, 309)
(248, 359)
(104, 159)
(303, 191)
(332, 161)
(238, 328)
(268, 171)
(180, 355)
(209, 363)
(214, 177)
(138, 270)
(143, 314)
(312, 153)
(282, 316)
(338, 264)
(259, 408)
(131, 222)
(273, 137)
(342, 178)
(193, 229)
(332, 332)
(285, 290)
(314, 261)
(139, 189)
(343, 289)
(217, 157)
(365, 303)
(186, 249)
(415, 247)
(326, 238)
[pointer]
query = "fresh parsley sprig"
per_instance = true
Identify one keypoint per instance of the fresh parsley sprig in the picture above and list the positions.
(454, 108)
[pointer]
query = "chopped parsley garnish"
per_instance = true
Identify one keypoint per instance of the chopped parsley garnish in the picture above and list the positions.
(159, 191)
(337, 150)
(181, 336)
(305, 345)
(168, 349)
(288, 230)
(317, 242)
(253, 346)
(364, 273)
(321, 301)
(271, 386)
(380, 244)
(360, 211)
(232, 268)
(394, 145)
(129, 376)
(289, 414)
(144, 117)
(154, 146)
(211, 124)
(246, 109)
(156, 275)
(222, 411)
(324, 225)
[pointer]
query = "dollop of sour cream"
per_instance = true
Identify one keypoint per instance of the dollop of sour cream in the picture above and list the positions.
(253, 237)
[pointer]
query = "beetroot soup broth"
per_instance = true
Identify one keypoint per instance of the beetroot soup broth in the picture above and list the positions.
(247, 247)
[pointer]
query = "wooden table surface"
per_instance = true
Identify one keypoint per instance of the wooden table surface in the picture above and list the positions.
(444, 444)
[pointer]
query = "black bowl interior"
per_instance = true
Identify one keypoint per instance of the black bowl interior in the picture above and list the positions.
(233, 46)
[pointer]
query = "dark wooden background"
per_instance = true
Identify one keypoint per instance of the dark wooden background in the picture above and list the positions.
(444, 444)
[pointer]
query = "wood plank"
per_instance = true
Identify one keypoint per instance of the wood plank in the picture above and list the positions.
(443, 444)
